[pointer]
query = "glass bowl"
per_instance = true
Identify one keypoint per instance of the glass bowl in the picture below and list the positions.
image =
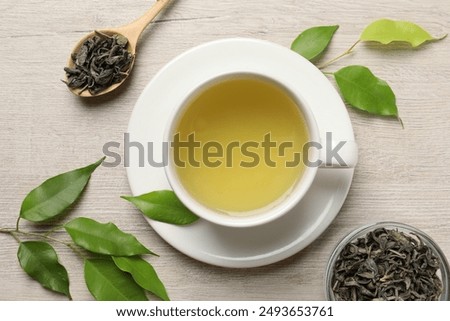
(443, 271)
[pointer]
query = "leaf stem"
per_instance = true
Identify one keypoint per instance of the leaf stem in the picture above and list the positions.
(53, 230)
(342, 55)
(76, 250)
(6, 230)
(43, 236)
(17, 223)
(401, 122)
(10, 232)
(15, 232)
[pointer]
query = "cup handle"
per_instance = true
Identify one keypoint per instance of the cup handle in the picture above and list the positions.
(340, 154)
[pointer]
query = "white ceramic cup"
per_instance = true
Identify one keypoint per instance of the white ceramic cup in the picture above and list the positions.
(269, 213)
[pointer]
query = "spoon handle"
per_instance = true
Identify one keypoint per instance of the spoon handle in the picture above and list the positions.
(133, 30)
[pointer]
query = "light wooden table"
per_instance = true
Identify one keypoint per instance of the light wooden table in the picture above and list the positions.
(403, 174)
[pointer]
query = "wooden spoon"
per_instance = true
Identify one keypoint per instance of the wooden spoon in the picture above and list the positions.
(132, 32)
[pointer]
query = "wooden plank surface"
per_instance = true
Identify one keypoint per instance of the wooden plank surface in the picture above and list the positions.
(402, 173)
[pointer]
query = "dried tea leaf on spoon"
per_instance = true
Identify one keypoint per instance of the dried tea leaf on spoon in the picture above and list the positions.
(101, 62)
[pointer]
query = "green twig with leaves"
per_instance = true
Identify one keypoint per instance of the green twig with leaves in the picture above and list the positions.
(113, 265)
(359, 87)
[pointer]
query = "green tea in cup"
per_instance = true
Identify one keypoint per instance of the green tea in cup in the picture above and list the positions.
(238, 144)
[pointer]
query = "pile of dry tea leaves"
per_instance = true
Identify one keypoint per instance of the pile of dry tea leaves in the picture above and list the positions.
(387, 265)
(102, 61)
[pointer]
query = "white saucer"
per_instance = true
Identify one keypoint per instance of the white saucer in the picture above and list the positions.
(255, 246)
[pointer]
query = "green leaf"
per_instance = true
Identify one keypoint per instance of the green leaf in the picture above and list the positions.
(40, 261)
(363, 90)
(107, 282)
(144, 274)
(104, 238)
(386, 31)
(163, 206)
(56, 194)
(312, 42)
